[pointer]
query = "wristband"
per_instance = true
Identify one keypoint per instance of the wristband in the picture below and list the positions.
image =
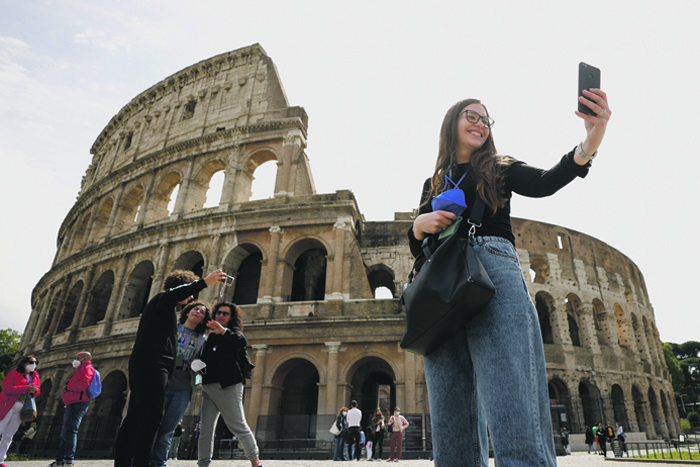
(583, 154)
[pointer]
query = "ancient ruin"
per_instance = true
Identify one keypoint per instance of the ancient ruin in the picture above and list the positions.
(307, 267)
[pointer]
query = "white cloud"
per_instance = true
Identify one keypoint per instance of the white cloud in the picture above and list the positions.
(99, 40)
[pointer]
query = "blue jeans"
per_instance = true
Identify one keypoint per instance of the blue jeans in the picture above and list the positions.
(69, 431)
(338, 454)
(493, 373)
(176, 403)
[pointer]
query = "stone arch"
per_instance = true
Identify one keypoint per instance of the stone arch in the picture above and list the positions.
(591, 403)
(251, 163)
(381, 275)
(136, 290)
(244, 262)
(69, 307)
(43, 398)
(639, 412)
(306, 279)
(79, 233)
(99, 226)
(293, 400)
(623, 337)
(161, 196)
(560, 406)
(199, 186)
(107, 408)
(539, 265)
(619, 407)
(99, 299)
(574, 307)
(544, 303)
(372, 384)
(191, 260)
(128, 208)
(600, 319)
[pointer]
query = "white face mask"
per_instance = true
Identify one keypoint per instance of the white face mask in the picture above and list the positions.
(76, 363)
(30, 367)
(344, 412)
(198, 365)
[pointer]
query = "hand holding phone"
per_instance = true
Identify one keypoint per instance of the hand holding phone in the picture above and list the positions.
(588, 77)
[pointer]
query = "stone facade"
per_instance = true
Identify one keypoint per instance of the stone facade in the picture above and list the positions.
(307, 268)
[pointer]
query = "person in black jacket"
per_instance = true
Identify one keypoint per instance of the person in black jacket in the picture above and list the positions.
(222, 383)
(151, 364)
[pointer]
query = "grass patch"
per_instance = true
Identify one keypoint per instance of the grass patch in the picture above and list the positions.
(12, 457)
(672, 455)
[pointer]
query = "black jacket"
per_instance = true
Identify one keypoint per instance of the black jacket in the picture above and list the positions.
(221, 354)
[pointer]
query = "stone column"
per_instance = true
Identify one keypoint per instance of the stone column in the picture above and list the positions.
(115, 211)
(292, 146)
(91, 222)
(268, 288)
(253, 407)
(184, 193)
(409, 363)
(115, 298)
(74, 327)
(212, 292)
(342, 225)
(227, 192)
(41, 319)
(332, 383)
(160, 270)
(143, 212)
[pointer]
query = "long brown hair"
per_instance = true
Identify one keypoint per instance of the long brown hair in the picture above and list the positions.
(236, 320)
(201, 328)
(484, 161)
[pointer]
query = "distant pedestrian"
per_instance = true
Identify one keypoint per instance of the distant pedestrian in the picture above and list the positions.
(75, 397)
(590, 439)
(379, 428)
(565, 440)
(398, 423)
(18, 385)
(342, 425)
(175, 444)
(602, 436)
(369, 441)
(354, 436)
(621, 436)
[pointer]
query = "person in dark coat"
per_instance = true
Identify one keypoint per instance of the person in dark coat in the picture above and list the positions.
(602, 436)
(590, 439)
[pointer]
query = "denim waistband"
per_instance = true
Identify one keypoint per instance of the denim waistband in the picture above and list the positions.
(482, 240)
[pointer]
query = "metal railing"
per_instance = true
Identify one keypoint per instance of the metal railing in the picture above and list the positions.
(687, 449)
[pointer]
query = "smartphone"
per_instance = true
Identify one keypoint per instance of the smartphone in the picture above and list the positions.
(588, 77)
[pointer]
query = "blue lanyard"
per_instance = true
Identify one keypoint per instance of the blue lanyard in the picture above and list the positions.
(183, 342)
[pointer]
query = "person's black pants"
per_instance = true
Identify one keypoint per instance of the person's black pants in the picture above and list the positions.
(602, 447)
(138, 430)
(377, 446)
(355, 438)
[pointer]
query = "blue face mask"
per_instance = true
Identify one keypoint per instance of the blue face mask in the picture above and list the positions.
(451, 200)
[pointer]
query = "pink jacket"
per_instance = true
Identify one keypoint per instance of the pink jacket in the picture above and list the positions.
(13, 386)
(74, 391)
(398, 423)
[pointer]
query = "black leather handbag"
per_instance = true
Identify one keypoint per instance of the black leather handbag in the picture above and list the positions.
(447, 287)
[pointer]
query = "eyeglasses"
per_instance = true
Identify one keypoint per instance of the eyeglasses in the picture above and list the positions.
(223, 313)
(474, 117)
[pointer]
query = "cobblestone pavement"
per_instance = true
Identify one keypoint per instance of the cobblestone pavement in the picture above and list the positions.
(576, 460)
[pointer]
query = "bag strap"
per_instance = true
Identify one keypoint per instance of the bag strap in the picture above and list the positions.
(477, 215)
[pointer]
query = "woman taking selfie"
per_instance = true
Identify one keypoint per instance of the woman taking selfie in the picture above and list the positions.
(20, 383)
(223, 380)
(499, 356)
(190, 342)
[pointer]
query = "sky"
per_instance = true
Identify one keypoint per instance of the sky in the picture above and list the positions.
(376, 78)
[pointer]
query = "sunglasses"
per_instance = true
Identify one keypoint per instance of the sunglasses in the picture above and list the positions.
(223, 313)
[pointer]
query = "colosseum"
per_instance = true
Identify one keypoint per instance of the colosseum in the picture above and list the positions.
(308, 267)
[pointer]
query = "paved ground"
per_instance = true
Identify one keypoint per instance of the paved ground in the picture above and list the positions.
(576, 460)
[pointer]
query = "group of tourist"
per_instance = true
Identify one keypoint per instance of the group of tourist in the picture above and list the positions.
(171, 354)
(22, 384)
(599, 435)
(350, 434)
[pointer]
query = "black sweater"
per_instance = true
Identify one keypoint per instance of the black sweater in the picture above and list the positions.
(518, 178)
(221, 356)
(156, 337)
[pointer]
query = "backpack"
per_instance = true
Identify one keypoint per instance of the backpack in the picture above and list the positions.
(95, 387)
